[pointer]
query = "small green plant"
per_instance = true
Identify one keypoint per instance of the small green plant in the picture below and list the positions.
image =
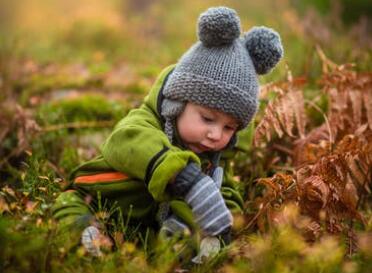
(83, 108)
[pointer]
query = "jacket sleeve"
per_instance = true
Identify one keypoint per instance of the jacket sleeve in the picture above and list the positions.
(139, 148)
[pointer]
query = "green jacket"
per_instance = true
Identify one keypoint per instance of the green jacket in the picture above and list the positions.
(139, 148)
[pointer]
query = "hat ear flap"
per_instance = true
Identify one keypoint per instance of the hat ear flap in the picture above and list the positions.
(264, 47)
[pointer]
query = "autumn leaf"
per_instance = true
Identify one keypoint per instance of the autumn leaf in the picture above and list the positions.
(3, 205)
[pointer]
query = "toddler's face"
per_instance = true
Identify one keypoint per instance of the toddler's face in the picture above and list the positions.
(205, 129)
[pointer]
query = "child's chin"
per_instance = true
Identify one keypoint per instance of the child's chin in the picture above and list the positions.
(195, 150)
(198, 149)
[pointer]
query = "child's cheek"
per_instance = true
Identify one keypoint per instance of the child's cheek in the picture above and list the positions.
(226, 139)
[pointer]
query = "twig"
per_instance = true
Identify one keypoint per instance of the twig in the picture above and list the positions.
(350, 239)
(283, 149)
(325, 61)
(253, 219)
(283, 168)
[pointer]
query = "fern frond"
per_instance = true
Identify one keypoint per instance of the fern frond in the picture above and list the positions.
(284, 112)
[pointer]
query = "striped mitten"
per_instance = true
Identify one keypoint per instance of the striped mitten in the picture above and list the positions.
(174, 226)
(204, 198)
(217, 176)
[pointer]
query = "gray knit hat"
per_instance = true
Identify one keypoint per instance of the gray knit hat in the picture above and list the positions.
(220, 70)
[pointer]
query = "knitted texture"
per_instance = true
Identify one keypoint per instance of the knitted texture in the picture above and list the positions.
(170, 110)
(217, 176)
(202, 193)
(190, 175)
(208, 207)
(218, 26)
(220, 70)
(264, 47)
(174, 226)
(186, 179)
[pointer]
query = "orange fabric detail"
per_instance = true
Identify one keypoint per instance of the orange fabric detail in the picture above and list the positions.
(101, 177)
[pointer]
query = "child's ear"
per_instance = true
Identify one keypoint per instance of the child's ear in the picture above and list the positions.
(264, 47)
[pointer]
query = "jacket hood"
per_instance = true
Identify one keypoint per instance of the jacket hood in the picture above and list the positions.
(155, 97)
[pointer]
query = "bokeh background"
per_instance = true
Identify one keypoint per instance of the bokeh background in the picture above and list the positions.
(70, 70)
(115, 48)
(145, 35)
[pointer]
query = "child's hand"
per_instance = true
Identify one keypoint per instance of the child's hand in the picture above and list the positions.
(203, 196)
(174, 226)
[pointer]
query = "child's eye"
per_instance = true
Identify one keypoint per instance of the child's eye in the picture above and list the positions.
(230, 128)
(207, 119)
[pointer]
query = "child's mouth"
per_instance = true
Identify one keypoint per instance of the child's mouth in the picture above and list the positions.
(199, 148)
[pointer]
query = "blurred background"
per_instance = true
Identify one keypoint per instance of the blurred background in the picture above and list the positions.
(147, 35)
(70, 62)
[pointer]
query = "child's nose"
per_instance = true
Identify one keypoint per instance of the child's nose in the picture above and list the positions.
(215, 133)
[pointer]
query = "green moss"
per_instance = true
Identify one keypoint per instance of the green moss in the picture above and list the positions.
(84, 108)
(39, 84)
(69, 159)
(99, 68)
(92, 35)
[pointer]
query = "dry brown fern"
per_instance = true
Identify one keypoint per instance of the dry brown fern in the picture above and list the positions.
(333, 162)
(279, 189)
(330, 191)
(285, 113)
(17, 121)
(350, 97)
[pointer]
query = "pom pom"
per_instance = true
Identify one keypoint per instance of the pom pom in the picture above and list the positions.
(264, 47)
(218, 26)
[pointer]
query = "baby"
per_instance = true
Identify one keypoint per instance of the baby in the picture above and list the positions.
(162, 163)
